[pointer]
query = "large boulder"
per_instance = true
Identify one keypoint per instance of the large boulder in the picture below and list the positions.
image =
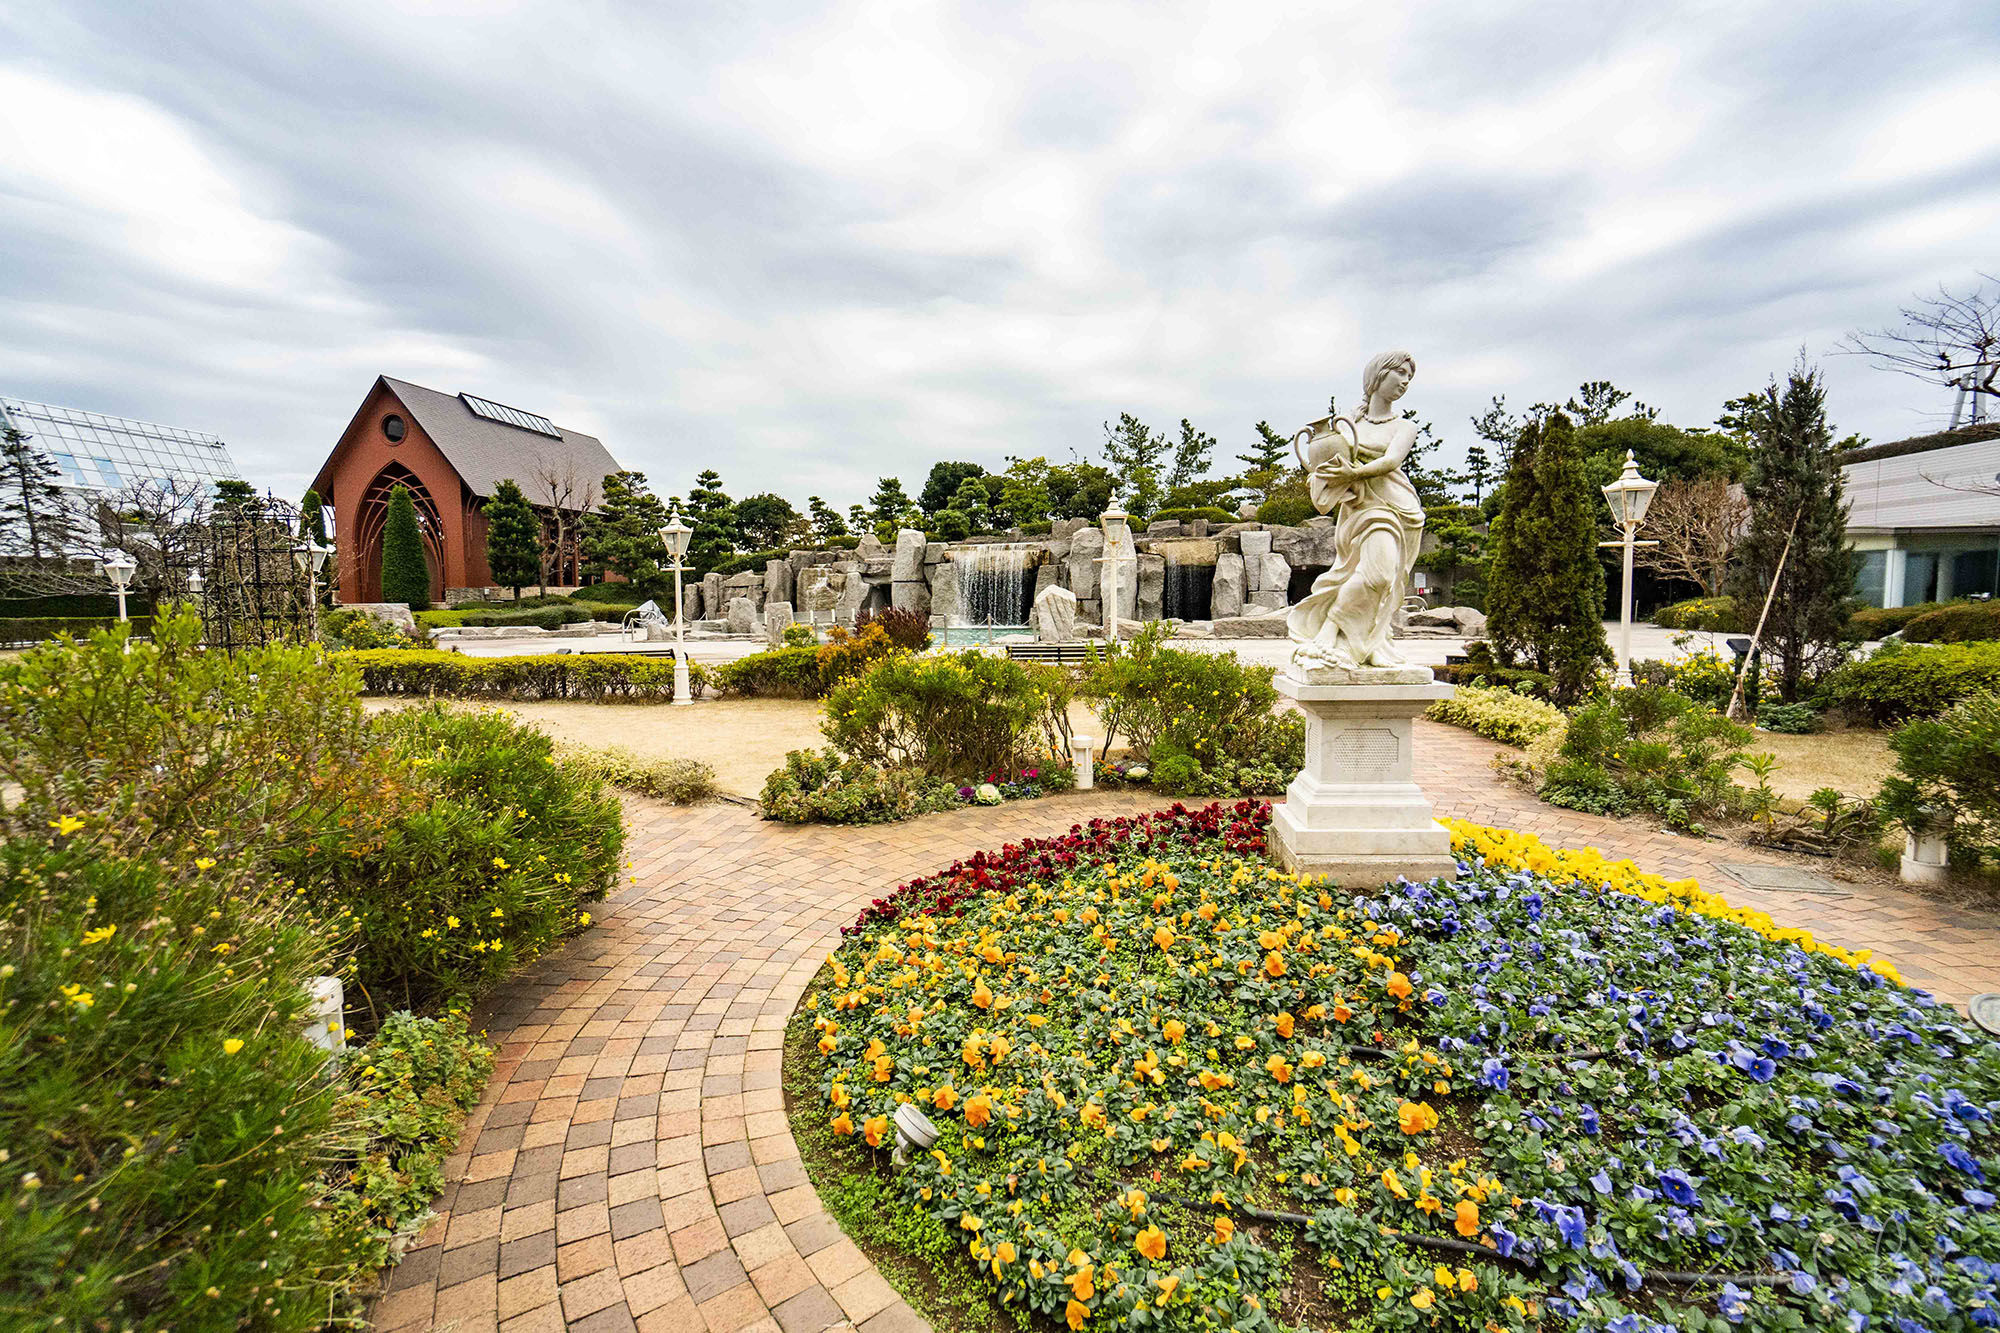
(853, 594)
(911, 595)
(1227, 595)
(1055, 615)
(396, 615)
(1254, 543)
(944, 591)
(1268, 626)
(742, 616)
(909, 563)
(1311, 545)
(713, 604)
(777, 619)
(1151, 578)
(778, 582)
(1086, 548)
(1270, 582)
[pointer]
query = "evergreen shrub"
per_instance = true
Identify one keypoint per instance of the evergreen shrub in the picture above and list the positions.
(1910, 681)
(406, 571)
(822, 787)
(595, 677)
(627, 595)
(1879, 622)
(1719, 615)
(1661, 750)
(37, 629)
(948, 715)
(781, 673)
(1499, 714)
(675, 781)
(1286, 511)
(1968, 622)
(1188, 514)
(1950, 767)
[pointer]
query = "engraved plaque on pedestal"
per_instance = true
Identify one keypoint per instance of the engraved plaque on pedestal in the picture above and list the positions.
(1367, 754)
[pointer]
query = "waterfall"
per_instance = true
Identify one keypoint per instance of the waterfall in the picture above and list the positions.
(1190, 581)
(996, 584)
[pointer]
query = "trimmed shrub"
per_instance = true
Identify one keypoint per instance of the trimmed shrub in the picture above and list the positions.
(781, 673)
(484, 862)
(1286, 511)
(1259, 761)
(355, 630)
(627, 595)
(1517, 679)
(406, 570)
(1951, 767)
(1909, 681)
(1967, 622)
(82, 605)
(1879, 622)
(1209, 512)
(819, 787)
(1719, 615)
(39, 629)
(1788, 719)
(907, 629)
(1194, 703)
(541, 617)
(596, 677)
(1499, 714)
(675, 781)
(1705, 677)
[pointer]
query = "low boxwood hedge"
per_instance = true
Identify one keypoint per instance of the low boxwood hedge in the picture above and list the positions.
(1718, 615)
(599, 677)
(36, 629)
(1902, 682)
(1536, 683)
(1879, 622)
(1962, 622)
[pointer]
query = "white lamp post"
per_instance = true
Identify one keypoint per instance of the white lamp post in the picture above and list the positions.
(195, 581)
(311, 558)
(676, 535)
(1117, 529)
(1628, 497)
(119, 568)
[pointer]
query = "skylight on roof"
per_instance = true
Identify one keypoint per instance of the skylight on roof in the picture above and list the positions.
(510, 416)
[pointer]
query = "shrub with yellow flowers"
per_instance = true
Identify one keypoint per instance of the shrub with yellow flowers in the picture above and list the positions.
(1554, 1090)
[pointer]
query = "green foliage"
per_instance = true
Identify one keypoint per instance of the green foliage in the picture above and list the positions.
(35, 517)
(970, 500)
(622, 535)
(749, 561)
(821, 787)
(1258, 761)
(781, 673)
(1025, 498)
(406, 569)
(1191, 457)
(1270, 457)
(408, 1092)
(1795, 494)
(36, 629)
(951, 525)
(847, 654)
(1966, 622)
(1950, 767)
(1076, 490)
(1545, 587)
(801, 635)
(1661, 750)
(565, 612)
(1789, 719)
(948, 715)
(1134, 451)
(1499, 714)
(1518, 680)
(826, 524)
(1286, 510)
(675, 781)
(610, 594)
(348, 630)
(1184, 515)
(1720, 615)
(513, 538)
(1901, 682)
(1705, 677)
(713, 518)
(312, 517)
(889, 506)
(769, 520)
(1164, 701)
(484, 861)
(597, 677)
(1879, 622)
(1664, 452)
(86, 606)
(946, 476)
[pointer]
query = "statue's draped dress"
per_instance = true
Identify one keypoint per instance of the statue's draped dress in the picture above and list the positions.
(1359, 636)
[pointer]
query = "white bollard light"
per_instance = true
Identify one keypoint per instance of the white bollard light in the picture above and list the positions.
(1925, 858)
(1080, 748)
(325, 1025)
(915, 1130)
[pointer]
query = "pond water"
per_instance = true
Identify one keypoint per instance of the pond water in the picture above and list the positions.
(967, 636)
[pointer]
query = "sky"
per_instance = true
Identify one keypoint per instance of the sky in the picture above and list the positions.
(811, 246)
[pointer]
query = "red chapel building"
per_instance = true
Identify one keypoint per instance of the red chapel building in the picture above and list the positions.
(450, 451)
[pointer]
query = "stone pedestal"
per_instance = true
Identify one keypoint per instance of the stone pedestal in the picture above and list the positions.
(1355, 813)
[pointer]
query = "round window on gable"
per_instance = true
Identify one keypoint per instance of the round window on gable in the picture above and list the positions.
(393, 427)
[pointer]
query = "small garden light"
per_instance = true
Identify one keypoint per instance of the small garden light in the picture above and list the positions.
(914, 1130)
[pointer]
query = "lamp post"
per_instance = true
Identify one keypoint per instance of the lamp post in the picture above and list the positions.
(1628, 497)
(119, 568)
(1116, 525)
(311, 558)
(676, 535)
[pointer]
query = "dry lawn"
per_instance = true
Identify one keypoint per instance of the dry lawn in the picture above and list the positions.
(1853, 763)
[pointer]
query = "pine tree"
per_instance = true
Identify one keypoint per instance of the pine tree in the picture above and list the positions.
(712, 515)
(1270, 457)
(943, 482)
(623, 535)
(34, 512)
(1134, 452)
(1795, 480)
(826, 524)
(1191, 456)
(406, 569)
(970, 500)
(1545, 593)
(1478, 471)
(312, 518)
(513, 538)
(889, 508)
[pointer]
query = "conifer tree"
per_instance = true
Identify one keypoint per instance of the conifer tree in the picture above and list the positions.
(34, 513)
(889, 508)
(1134, 452)
(406, 570)
(513, 538)
(970, 500)
(312, 518)
(623, 535)
(712, 515)
(1795, 478)
(826, 523)
(1269, 458)
(1545, 594)
(1191, 456)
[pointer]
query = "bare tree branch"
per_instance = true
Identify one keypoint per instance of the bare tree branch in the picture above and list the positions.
(1697, 524)
(1950, 340)
(564, 494)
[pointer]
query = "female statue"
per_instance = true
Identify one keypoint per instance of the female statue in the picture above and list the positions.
(1355, 463)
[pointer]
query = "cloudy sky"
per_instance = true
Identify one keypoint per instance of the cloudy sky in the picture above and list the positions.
(808, 246)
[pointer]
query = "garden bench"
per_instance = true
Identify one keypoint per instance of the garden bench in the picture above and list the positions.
(1060, 654)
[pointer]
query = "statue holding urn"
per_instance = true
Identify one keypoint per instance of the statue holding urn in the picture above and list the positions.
(1354, 813)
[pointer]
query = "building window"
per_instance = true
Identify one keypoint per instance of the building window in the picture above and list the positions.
(393, 427)
(1869, 580)
(1976, 573)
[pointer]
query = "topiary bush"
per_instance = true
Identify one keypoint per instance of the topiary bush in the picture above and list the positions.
(1965, 622)
(406, 570)
(1789, 719)
(1502, 715)
(821, 787)
(1286, 511)
(1879, 622)
(1900, 681)
(595, 677)
(1719, 615)
(781, 673)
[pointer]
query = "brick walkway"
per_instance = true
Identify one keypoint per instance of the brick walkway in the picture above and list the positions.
(631, 1167)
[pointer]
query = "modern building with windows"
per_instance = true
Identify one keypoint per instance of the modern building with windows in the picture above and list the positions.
(1924, 514)
(102, 457)
(450, 451)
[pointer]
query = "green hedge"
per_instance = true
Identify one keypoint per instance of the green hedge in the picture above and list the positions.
(88, 605)
(1286, 511)
(36, 629)
(1902, 682)
(1966, 622)
(612, 594)
(541, 617)
(1716, 614)
(1209, 512)
(1499, 714)
(783, 673)
(598, 677)
(1879, 622)
(1536, 683)
(749, 562)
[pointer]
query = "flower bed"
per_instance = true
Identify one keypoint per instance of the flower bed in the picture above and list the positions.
(1176, 1087)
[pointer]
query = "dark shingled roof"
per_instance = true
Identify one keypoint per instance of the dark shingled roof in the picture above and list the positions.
(484, 452)
(1921, 444)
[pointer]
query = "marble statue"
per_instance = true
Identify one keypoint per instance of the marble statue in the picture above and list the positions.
(1355, 463)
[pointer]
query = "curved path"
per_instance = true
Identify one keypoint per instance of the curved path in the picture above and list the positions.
(631, 1166)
